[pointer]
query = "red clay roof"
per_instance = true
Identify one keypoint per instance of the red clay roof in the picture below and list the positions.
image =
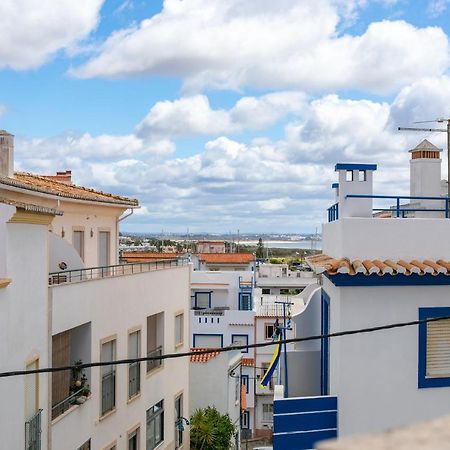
(226, 258)
(324, 263)
(249, 362)
(47, 185)
(204, 357)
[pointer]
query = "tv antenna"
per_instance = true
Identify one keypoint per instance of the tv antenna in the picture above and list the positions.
(437, 130)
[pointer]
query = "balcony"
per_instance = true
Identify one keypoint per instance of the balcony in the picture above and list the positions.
(76, 398)
(154, 363)
(33, 432)
(93, 273)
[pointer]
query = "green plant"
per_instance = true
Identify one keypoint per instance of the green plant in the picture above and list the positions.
(211, 430)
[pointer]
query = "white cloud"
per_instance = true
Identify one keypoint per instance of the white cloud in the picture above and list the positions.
(31, 32)
(263, 184)
(194, 116)
(437, 7)
(268, 44)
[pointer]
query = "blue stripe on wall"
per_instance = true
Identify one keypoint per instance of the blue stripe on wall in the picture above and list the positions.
(304, 404)
(306, 421)
(301, 441)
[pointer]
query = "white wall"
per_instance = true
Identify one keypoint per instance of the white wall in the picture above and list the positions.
(374, 375)
(23, 325)
(387, 238)
(114, 306)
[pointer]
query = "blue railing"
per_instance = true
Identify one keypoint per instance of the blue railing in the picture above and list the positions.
(333, 212)
(399, 211)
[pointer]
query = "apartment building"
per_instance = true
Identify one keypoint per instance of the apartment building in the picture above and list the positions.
(69, 302)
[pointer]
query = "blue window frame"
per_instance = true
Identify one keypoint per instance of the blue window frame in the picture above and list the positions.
(245, 423)
(245, 379)
(196, 335)
(202, 300)
(437, 375)
(245, 301)
(240, 339)
(324, 344)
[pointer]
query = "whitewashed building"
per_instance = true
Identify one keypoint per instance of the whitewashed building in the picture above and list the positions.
(222, 315)
(67, 301)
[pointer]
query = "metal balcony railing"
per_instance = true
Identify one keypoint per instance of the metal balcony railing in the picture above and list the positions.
(134, 379)
(91, 273)
(333, 212)
(62, 406)
(33, 432)
(154, 363)
(108, 392)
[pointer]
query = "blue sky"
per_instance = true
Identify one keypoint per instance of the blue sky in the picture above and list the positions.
(222, 115)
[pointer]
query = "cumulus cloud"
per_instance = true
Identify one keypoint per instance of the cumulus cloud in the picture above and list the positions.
(269, 45)
(262, 184)
(194, 116)
(32, 32)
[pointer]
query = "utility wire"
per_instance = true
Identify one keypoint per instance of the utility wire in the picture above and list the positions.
(223, 349)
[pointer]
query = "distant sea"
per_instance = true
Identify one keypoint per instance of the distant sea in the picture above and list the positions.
(304, 245)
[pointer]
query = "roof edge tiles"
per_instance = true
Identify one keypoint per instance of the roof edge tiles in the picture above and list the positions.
(331, 266)
(31, 207)
(202, 357)
(354, 166)
(41, 184)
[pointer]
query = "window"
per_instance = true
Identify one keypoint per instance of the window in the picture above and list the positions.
(269, 331)
(349, 175)
(155, 340)
(203, 300)
(267, 412)
(266, 291)
(155, 426)
(179, 421)
(108, 377)
(104, 248)
(245, 381)
(86, 446)
(208, 340)
(179, 329)
(362, 175)
(240, 339)
(133, 440)
(134, 369)
(434, 345)
(78, 242)
(245, 302)
(245, 424)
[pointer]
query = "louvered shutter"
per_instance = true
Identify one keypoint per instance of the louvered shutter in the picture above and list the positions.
(438, 349)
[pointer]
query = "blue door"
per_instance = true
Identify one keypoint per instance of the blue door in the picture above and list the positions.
(325, 328)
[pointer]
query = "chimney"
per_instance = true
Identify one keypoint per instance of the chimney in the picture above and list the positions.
(425, 170)
(6, 154)
(355, 179)
(64, 177)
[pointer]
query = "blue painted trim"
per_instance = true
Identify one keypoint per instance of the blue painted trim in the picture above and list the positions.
(350, 166)
(241, 294)
(246, 382)
(200, 292)
(305, 404)
(246, 414)
(334, 185)
(359, 279)
(207, 334)
(240, 336)
(324, 344)
(423, 381)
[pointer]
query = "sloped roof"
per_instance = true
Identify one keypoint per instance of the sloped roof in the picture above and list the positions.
(426, 145)
(37, 183)
(326, 264)
(202, 357)
(31, 207)
(226, 258)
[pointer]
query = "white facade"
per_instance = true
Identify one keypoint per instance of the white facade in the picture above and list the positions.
(222, 315)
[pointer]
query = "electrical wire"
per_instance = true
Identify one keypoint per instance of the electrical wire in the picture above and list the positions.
(223, 349)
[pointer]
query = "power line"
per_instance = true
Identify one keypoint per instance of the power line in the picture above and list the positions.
(222, 349)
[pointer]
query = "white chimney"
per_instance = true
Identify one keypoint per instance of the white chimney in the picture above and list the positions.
(425, 170)
(6, 154)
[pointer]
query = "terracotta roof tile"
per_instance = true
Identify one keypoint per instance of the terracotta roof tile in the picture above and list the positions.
(323, 263)
(45, 185)
(226, 258)
(249, 362)
(203, 357)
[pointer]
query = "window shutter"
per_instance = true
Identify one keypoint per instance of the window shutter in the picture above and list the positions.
(438, 349)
